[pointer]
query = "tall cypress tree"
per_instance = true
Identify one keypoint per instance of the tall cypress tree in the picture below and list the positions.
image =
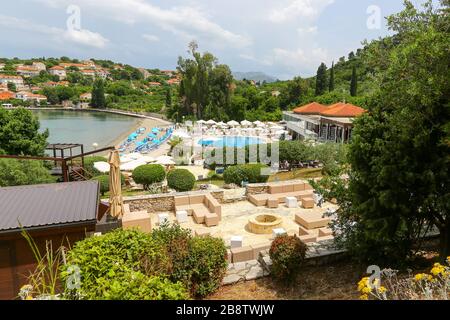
(321, 79)
(168, 98)
(98, 94)
(354, 83)
(331, 84)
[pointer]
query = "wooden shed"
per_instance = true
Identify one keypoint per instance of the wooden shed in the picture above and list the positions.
(56, 212)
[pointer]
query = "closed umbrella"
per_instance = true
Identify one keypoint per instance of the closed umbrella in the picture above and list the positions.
(115, 187)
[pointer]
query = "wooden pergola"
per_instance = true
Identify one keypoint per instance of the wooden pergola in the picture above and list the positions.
(68, 168)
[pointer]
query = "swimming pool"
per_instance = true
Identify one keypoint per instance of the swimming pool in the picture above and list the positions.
(231, 141)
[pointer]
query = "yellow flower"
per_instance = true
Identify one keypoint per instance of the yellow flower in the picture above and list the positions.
(420, 276)
(382, 290)
(363, 283)
(437, 269)
(29, 298)
(366, 290)
(364, 297)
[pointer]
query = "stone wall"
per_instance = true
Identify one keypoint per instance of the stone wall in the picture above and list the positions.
(164, 201)
(257, 188)
(318, 254)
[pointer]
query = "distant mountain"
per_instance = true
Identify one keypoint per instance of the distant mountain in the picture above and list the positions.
(255, 76)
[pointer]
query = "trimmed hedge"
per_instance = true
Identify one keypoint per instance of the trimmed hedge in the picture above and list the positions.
(181, 180)
(287, 254)
(250, 173)
(149, 174)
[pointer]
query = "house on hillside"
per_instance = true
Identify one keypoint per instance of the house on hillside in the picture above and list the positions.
(62, 213)
(315, 121)
(58, 71)
(173, 81)
(17, 80)
(7, 95)
(28, 96)
(27, 71)
(40, 66)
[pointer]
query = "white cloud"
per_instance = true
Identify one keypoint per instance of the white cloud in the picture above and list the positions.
(150, 37)
(83, 36)
(178, 20)
(307, 9)
(307, 30)
(299, 58)
(86, 38)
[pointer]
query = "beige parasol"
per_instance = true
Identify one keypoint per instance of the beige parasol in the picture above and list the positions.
(115, 188)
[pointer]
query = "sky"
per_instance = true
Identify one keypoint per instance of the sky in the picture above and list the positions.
(283, 38)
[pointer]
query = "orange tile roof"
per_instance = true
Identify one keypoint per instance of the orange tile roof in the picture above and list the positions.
(6, 95)
(57, 68)
(312, 108)
(343, 110)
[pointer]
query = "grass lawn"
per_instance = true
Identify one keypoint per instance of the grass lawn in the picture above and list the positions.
(297, 174)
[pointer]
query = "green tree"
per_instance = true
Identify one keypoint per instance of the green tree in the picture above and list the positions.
(354, 83)
(98, 94)
(12, 86)
(331, 83)
(321, 80)
(169, 98)
(292, 94)
(20, 134)
(399, 181)
(23, 172)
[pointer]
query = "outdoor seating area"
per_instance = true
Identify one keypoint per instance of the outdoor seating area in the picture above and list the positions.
(282, 192)
(204, 208)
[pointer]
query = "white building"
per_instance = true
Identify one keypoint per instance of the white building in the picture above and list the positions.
(39, 66)
(28, 96)
(58, 71)
(27, 71)
(17, 80)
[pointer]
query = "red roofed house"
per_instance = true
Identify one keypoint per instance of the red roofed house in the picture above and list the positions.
(6, 95)
(324, 123)
(58, 71)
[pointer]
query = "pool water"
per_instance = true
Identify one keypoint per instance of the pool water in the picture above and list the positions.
(231, 141)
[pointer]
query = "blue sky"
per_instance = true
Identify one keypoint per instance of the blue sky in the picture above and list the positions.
(283, 38)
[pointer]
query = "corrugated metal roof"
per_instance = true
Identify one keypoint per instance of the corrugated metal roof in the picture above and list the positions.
(48, 204)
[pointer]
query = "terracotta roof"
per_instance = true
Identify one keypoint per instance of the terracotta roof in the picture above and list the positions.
(6, 95)
(312, 108)
(57, 68)
(343, 110)
(7, 76)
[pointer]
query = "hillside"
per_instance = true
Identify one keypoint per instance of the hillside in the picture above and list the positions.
(66, 81)
(255, 76)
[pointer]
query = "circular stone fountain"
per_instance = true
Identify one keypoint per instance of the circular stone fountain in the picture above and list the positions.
(264, 223)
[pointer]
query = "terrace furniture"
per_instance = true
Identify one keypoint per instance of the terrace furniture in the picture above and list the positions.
(198, 205)
(278, 232)
(242, 254)
(163, 217)
(257, 248)
(312, 220)
(280, 191)
(306, 236)
(236, 242)
(137, 220)
(182, 216)
(324, 232)
(308, 203)
(211, 219)
(291, 202)
(272, 203)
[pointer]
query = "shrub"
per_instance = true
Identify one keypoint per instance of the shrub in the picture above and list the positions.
(181, 180)
(287, 254)
(247, 172)
(149, 174)
(175, 240)
(111, 256)
(23, 172)
(200, 263)
(89, 165)
(208, 264)
(104, 182)
(134, 285)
